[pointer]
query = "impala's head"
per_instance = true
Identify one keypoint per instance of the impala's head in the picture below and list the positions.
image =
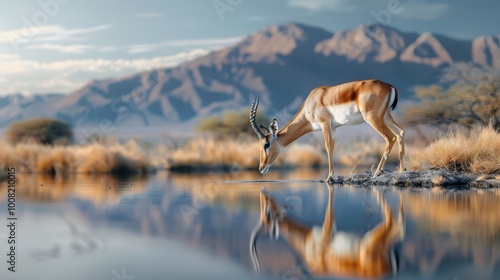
(268, 137)
(270, 216)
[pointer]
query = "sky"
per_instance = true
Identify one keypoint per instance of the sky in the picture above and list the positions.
(49, 46)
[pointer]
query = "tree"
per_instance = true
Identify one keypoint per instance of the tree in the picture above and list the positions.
(41, 130)
(230, 124)
(468, 96)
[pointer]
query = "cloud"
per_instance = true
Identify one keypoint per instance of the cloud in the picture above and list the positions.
(423, 10)
(46, 33)
(5, 56)
(22, 75)
(318, 5)
(7, 36)
(74, 49)
(147, 15)
(71, 34)
(107, 49)
(97, 65)
(142, 48)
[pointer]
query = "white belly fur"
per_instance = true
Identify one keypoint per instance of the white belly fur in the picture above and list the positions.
(346, 114)
(342, 244)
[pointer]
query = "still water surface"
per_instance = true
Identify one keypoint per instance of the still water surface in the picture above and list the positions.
(199, 227)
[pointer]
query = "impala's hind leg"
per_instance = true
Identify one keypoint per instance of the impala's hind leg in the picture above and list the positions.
(400, 134)
(376, 240)
(379, 125)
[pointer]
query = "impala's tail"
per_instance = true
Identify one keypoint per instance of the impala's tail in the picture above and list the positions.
(394, 98)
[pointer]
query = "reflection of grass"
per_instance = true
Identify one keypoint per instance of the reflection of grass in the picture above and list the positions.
(94, 158)
(99, 189)
(476, 152)
(466, 214)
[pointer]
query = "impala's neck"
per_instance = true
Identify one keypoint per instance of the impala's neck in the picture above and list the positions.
(296, 128)
(296, 234)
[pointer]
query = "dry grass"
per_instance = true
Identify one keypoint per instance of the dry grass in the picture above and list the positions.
(243, 153)
(94, 158)
(231, 153)
(475, 152)
(365, 152)
(200, 153)
(209, 151)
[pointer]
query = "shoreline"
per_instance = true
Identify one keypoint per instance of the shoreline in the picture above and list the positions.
(428, 178)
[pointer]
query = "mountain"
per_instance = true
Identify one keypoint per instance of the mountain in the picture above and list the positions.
(486, 50)
(281, 64)
(14, 107)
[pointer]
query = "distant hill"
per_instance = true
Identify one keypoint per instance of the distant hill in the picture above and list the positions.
(281, 63)
(14, 107)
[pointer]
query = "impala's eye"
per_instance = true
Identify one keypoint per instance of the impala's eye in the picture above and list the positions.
(266, 145)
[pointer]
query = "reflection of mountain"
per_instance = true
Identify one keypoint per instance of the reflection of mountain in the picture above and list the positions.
(282, 63)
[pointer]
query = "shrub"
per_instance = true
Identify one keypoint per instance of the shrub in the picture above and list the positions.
(472, 98)
(230, 124)
(477, 151)
(117, 159)
(41, 130)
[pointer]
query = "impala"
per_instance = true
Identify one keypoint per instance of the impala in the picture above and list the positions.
(328, 252)
(329, 107)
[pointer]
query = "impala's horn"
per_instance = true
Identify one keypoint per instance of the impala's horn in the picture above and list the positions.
(253, 121)
(253, 247)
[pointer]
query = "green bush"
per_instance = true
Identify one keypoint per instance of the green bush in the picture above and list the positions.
(471, 99)
(41, 130)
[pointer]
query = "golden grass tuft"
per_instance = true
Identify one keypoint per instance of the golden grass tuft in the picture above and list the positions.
(477, 152)
(239, 153)
(93, 158)
(97, 158)
(210, 151)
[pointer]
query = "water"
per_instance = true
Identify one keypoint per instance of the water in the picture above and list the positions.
(199, 227)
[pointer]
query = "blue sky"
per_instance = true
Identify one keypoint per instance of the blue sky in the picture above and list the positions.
(58, 45)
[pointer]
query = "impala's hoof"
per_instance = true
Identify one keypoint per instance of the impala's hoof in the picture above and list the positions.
(330, 180)
(376, 174)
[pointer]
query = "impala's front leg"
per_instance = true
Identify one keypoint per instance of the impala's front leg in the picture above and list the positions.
(328, 134)
(329, 221)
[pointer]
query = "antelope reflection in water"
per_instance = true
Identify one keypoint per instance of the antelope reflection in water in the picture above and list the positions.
(328, 252)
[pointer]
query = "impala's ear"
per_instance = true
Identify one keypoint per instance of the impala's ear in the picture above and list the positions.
(275, 230)
(266, 131)
(273, 127)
